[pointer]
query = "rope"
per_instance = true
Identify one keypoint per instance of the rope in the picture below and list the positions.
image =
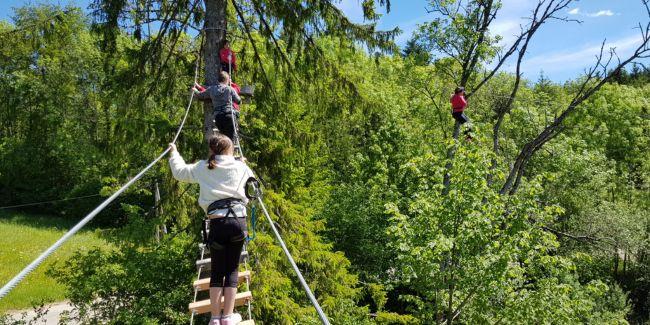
(33, 265)
(46, 202)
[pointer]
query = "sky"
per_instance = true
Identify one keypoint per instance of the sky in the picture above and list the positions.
(561, 50)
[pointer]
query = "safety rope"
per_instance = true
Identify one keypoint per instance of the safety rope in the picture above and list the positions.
(33, 265)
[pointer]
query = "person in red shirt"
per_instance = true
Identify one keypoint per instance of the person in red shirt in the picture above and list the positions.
(228, 59)
(458, 105)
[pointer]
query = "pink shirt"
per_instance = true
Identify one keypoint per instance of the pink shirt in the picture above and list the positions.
(458, 103)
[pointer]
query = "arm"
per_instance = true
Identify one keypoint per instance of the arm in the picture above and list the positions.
(182, 171)
(203, 95)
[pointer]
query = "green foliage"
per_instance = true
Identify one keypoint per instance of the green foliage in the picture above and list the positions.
(353, 150)
(148, 283)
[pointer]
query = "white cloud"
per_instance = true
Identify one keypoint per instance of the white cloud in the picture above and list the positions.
(577, 59)
(507, 28)
(576, 11)
(602, 13)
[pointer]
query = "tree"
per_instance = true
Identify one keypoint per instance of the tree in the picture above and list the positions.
(298, 23)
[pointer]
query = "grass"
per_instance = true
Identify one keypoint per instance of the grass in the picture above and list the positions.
(22, 239)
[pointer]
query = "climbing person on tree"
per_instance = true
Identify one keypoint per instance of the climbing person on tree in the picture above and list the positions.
(228, 59)
(233, 85)
(222, 96)
(222, 196)
(458, 105)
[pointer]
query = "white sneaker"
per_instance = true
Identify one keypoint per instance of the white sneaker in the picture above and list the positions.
(215, 321)
(231, 319)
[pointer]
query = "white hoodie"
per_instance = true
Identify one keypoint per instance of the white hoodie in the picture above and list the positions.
(227, 180)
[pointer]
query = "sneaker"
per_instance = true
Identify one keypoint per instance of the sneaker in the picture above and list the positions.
(231, 319)
(215, 320)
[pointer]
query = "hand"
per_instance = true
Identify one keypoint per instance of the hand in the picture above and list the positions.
(172, 148)
(196, 91)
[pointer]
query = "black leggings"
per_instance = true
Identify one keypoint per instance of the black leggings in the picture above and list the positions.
(224, 123)
(460, 117)
(227, 239)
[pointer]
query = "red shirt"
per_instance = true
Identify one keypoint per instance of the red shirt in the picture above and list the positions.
(237, 89)
(458, 103)
(223, 55)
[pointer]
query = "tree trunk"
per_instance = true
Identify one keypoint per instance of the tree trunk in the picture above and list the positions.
(451, 152)
(215, 36)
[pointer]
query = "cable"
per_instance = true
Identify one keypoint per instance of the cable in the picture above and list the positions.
(46, 202)
(33, 265)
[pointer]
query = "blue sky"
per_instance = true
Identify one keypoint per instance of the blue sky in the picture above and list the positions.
(562, 50)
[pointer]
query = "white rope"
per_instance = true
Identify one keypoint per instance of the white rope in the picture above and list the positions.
(33, 265)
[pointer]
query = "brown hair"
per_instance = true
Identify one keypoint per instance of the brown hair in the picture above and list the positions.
(459, 90)
(223, 77)
(219, 145)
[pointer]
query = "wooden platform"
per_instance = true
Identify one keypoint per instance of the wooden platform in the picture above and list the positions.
(203, 306)
(204, 284)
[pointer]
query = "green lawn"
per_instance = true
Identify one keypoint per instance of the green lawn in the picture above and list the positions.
(23, 238)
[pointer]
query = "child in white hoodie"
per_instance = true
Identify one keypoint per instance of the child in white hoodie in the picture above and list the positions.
(220, 178)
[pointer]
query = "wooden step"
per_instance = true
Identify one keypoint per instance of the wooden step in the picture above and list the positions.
(204, 284)
(206, 261)
(203, 306)
(247, 322)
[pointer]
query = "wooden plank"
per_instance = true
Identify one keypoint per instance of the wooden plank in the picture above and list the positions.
(203, 306)
(247, 322)
(204, 284)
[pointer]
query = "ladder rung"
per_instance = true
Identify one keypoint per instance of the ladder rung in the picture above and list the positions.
(203, 306)
(204, 284)
(206, 261)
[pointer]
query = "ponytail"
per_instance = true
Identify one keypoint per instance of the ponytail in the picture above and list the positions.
(219, 145)
(212, 161)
